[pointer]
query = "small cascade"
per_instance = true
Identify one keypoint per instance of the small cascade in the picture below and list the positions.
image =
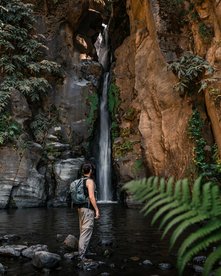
(104, 162)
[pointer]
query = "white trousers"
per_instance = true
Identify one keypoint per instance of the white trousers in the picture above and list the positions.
(86, 225)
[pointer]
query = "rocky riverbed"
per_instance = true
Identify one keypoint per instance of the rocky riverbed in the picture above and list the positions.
(44, 242)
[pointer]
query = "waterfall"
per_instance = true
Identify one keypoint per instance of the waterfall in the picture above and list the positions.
(104, 169)
(104, 160)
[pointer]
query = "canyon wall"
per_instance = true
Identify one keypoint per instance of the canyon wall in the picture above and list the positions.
(160, 33)
(152, 117)
(37, 169)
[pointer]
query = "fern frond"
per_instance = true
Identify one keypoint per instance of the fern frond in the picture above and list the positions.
(180, 218)
(170, 187)
(141, 188)
(178, 191)
(162, 201)
(196, 194)
(184, 225)
(152, 189)
(177, 197)
(134, 186)
(196, 248)
(154, 200)
(150, 194)
(186, 191)
(216, 202)
(211, 260)
(180, 210)
(166, 208)
(160, 196)
(207, 197)
(218, 272)
(199, 234)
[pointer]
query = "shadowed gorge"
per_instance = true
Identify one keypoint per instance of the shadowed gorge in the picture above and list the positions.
(132, 86)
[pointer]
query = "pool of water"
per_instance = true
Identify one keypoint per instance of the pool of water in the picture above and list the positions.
(122, 239)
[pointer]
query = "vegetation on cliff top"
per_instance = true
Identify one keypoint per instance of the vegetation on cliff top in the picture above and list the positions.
(22, 63)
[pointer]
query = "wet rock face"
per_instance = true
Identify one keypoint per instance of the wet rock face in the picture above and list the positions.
(41, 175)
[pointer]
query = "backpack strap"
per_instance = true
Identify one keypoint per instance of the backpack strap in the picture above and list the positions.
(86, 190)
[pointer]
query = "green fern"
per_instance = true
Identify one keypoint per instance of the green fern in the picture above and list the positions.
(179, 207)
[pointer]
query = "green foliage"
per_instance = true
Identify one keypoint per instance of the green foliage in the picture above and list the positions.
(195, 131)
(206, 32)
(177, 206)
(113, 99)
(9, 129)
(42, 123)
(22, 62)
(114, 130)
(215, 93)
(138, 166)
(121, 149)
(130, 114)
(207, 166)
(113, 106)
(93, 102)
(190, 69)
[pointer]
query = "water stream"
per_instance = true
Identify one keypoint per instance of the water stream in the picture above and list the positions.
(122, 239)
(105, 193)
(104, 162)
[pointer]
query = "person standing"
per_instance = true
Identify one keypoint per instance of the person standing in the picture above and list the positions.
(87, 212)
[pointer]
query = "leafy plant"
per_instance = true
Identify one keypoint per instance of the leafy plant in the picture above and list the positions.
(22, 63)
(178, 206)
(195, 131)
(123, 148)
(206, 32)
(130, 114)
(9, 129)
(113, 99)
(207, 165)
(113, 106)
(138, 166)
(42, 123)
(93, 102)
(215, 93)
(190, 70)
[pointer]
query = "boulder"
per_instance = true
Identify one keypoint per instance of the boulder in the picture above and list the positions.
(65, 171)
(2, 269)
(12, 250)
(44, 259)
(71, 241)
(30, 251)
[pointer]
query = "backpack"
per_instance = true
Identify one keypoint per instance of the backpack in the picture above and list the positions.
(77, 191)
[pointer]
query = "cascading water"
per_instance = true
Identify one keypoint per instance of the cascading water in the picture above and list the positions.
(104, 166)
(104, 146)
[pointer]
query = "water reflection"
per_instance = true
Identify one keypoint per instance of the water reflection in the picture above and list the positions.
(124, 232)
(105, 230)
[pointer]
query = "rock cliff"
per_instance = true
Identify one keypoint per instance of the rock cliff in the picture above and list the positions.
(152, 117)
(160, 33)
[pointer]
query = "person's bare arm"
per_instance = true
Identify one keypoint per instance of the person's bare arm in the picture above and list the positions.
(90, 187)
